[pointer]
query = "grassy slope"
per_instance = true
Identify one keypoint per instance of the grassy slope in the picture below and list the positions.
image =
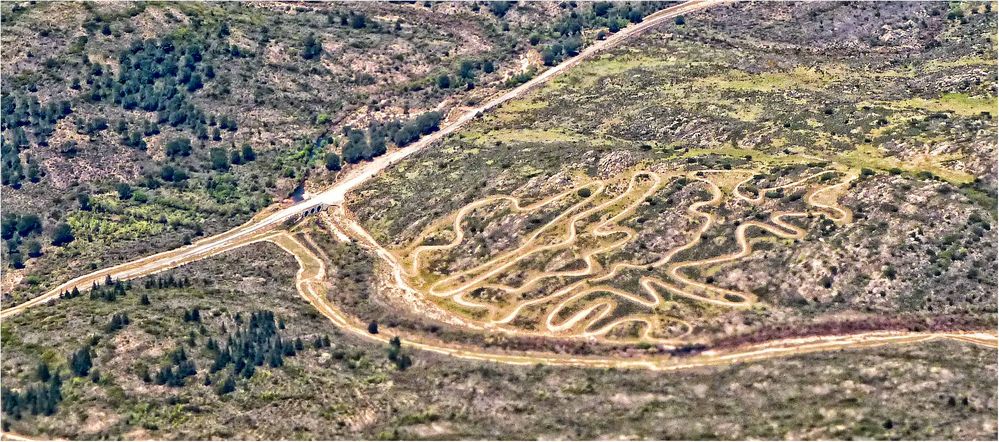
(743, 86)
(703, 91)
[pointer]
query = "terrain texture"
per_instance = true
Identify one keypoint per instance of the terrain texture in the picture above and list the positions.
(722, 182)
(500, 220)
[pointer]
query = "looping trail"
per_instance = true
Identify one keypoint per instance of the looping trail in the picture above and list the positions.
(585, 302)
(311, 284)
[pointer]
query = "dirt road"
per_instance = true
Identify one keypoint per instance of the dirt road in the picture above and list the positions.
(336, 194)
(583, 307)
(312, 272)
(261, 229)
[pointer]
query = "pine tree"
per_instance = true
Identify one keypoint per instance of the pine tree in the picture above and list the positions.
(276, 360)
(43, 372)
(404, 362)
(248, 371)
(395, 347)
(226, 387)
(248, 153)
(80, 362)
(312, 47)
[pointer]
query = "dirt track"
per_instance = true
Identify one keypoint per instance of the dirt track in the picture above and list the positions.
(311, 274)
(312, 270)
(591, 301)
(310, 277)
(335, 195)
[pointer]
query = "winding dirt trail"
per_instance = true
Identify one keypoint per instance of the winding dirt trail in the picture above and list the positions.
(312, 272)
(310, 279)
(311, 276)
(335, 195)
(590, 302)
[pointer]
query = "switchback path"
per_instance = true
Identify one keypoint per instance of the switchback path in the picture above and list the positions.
(310, 284)
(312, 271)
(336, 194)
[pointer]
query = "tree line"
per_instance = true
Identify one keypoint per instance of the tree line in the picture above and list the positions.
(40, 399)
(21, 236)
(18, 111)
(567, 31)
(366, 145)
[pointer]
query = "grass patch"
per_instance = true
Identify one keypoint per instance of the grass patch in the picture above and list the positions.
(586, 74)
(960, 104)
(798, 78)
(870, 157)
(531, 136)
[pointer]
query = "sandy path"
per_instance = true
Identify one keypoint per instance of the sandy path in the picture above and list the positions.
(594, 300)
(310, 278)
(353, 178)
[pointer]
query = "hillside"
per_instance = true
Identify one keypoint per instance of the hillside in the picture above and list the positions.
(132, 128)
(499, 220)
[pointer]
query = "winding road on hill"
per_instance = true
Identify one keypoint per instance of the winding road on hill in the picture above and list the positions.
(594, 298)
(310, 282)
(311, 276)
(353, 178)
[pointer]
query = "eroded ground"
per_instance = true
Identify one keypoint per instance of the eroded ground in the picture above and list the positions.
(753, 172)
(672, 190)
(580, 269)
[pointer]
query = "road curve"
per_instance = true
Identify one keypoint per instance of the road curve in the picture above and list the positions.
(336, 194)
(309, 280)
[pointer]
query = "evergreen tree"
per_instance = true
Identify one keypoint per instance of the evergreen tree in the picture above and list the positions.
(194, 83)
(226, 387)
(444, 81)
(84, 201)
(312, 47)
(356, 148)
(235, 157)
(34, 248)
(124, 191)
(248, 153)
(357, 20)
(219, 159)
(80, 362)
(332, 162)
(62, 235)
(276, 359)
(376, 143)
(178, 147)
(29, 224)
(43, 372)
